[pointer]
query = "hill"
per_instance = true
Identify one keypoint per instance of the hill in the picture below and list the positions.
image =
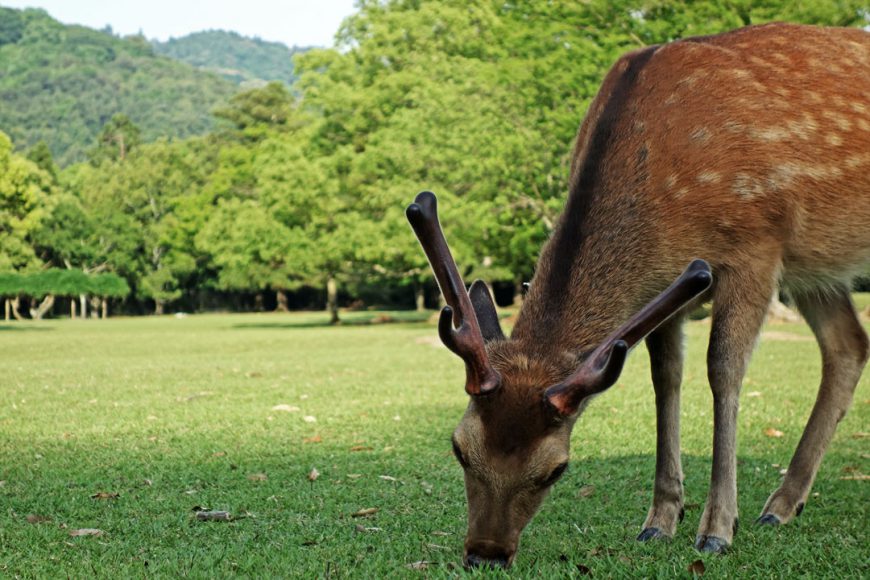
(238, 58)
(60, 83)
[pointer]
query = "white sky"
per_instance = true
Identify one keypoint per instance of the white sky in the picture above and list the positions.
(299, 22)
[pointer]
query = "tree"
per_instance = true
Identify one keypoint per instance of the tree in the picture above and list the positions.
(252, 249)
(25, 198)
(116, 140)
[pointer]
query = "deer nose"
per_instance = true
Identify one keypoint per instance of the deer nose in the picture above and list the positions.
(475, 561)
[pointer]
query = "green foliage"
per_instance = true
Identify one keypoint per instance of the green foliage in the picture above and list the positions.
(11, 26)
(235, 57)
(60, 84)
(256, 113)
(60, 282)
(477, 100)
(25, 195)
(116, 139)
(41, 155)
(109, 285)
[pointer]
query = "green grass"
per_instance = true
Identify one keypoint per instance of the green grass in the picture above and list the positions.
(178, 413)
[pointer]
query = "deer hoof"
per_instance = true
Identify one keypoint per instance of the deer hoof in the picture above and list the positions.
(651, 534)
(768, 520)
(711, 544)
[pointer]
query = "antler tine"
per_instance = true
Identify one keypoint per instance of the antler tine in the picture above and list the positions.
(602, 368)
(466, 339)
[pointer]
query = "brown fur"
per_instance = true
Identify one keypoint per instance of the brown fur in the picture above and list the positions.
(749, 149)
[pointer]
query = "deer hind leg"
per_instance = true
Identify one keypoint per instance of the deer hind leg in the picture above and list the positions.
(665, 348)
(845, 347)
(740, 302)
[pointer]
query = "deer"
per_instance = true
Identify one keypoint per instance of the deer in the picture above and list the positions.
(720, 169)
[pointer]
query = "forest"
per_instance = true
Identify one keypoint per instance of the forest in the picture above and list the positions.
(291, 195)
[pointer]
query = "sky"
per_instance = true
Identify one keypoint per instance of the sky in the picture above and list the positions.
(293, 22)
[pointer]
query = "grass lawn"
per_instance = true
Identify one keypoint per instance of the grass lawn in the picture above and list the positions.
(232, 412)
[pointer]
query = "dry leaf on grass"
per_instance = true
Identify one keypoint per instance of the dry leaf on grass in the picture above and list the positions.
(753, 394)
(586, 491)
(214, 516)
(309, 419)
(771, 432)
(421, 565)
(86, 532)
(315, 439)
(697, 568)
(105, 495)
(440, 533)
(388, 478)
(361, 448)
(354, 475)
(365, 512)
(436, 547)
(219, 454)
(35, 519)
(856, 477)
(860, 435)
(258, 477)
(363, 530)
(286, 408)
(313, 474)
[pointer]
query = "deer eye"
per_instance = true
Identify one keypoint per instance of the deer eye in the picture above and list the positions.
(555, 475)
(458, 453)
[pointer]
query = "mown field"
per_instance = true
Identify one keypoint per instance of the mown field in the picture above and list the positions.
(233, 412)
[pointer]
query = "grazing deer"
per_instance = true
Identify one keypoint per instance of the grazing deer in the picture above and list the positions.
(749, 149)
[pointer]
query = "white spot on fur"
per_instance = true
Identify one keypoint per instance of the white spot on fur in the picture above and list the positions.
(855, 161)
(834, 139)
(709, 177)
(769, 133)
(814, 97)
(747, 186)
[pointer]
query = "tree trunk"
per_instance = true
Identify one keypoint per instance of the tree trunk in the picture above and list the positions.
(105, 308)
(158, 307)
(8, 308)
(281, 299)
(419, 296)
(95, 306)
(258, 302)
(44, 306)
(16, 304)
(332, 300)
(72, 308)
(83, 299)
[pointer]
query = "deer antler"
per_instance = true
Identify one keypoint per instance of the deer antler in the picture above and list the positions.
(466, 339)
(602, 368)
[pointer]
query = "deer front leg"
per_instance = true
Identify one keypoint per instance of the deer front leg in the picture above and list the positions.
(740, 303)
(665, 347)
(845, 348)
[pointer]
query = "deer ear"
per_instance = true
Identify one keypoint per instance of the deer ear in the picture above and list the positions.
(484, 307)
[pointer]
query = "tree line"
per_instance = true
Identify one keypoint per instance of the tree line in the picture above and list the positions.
(297, 198)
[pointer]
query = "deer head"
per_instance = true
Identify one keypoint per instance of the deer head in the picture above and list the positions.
(513, 441)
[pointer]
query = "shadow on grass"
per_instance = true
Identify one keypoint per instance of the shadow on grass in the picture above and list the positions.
(356, 319)
(5, 327)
